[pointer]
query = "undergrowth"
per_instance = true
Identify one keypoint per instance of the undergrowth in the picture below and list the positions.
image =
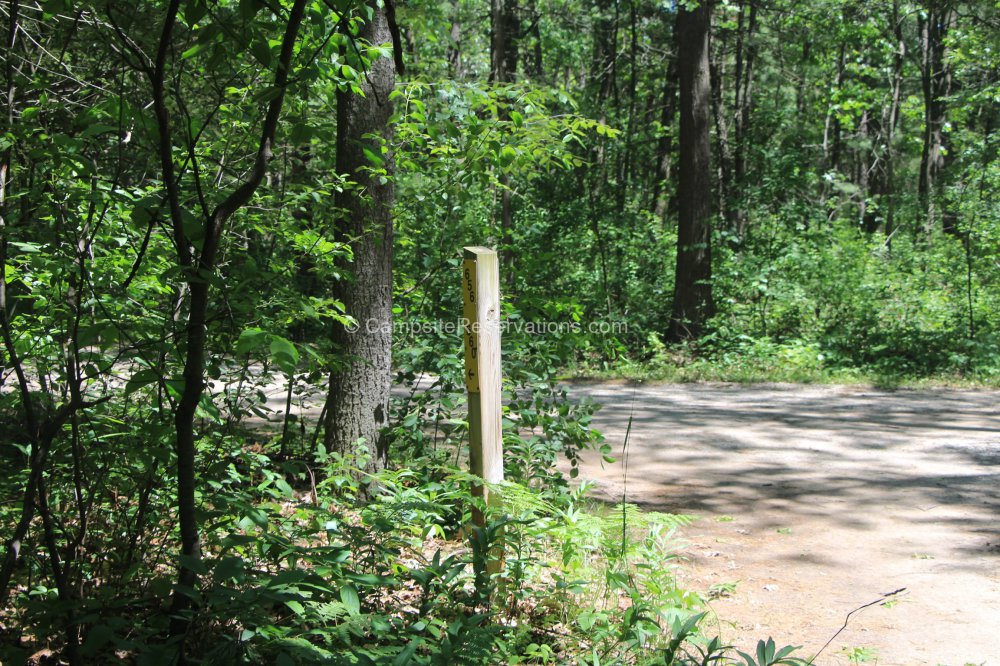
(314, 561)
(755, 361)
(309, 559)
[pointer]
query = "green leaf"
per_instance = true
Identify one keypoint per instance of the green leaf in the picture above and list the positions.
(250, 340)
(283, 486)
(507, 156)
(195, 564)
(194, 11)
(257, 517)
(193, 51)
(249, 8)
(28, 248)
(267, 93)
(142, 378)
(261, 51)
(207, 409)
(228, 568)
(300, 133)
(98, 636)
(371, 579)
(194, 227)
(284, 354)
(406, 656)
(175, 387)
(98, 128)
(349, 596)
(373, 158)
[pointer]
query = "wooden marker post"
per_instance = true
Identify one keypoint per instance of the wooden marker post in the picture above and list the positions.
(481, 300)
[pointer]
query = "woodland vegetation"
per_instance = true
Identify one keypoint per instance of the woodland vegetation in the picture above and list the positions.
(201, 199)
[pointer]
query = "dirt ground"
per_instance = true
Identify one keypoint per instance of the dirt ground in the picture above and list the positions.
(815, 500)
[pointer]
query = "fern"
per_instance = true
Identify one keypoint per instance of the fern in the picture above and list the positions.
(642, 521)
(521, 501)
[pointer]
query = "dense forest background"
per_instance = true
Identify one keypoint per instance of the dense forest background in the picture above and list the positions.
(850, 195)
(202, 200)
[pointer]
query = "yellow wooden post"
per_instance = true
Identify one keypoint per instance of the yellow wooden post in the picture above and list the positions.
(481, 301)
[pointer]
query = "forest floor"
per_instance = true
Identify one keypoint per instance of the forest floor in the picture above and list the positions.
(816, 500)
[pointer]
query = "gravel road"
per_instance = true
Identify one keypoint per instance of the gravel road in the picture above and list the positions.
(815, 500)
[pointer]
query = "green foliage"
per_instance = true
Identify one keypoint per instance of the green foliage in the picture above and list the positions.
(827, 266)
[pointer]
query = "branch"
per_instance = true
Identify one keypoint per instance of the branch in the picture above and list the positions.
(848, 618)
(166, 144)
(241, 195)
(397, 46)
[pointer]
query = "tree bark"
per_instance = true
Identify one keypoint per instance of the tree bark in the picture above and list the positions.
(357, 407)
(746, 52)
(882, 158)
(196, 328)
(662, 200)
(605, 58)
(937, 84)
(693, 303)
(723, 147)
(893, 121)
(505, 28)
(455, 47)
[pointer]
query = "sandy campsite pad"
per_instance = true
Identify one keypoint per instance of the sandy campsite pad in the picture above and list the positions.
(815, 500)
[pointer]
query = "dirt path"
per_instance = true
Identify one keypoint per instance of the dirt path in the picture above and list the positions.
(817, 500)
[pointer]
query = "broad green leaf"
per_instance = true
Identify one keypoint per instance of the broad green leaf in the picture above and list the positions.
(349, 596)
(284, 354)
(250, 340)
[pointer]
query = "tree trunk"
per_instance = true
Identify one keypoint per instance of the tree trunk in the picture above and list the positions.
(605, 57)
(882, 157)
(693, 303)
(627, 156)
(936, 80)
(662, 201)
(358, 401)
(201, 268)
(837, 141)
(455, 47)
(723, 148)
(505, 26)
(893, 121)
(743, 99)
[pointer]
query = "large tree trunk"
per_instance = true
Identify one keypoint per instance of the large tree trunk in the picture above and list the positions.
(358, 399)
(936, 80)
(505, 26)
(693, 303)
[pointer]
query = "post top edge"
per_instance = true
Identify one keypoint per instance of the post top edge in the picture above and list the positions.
(473, 251)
